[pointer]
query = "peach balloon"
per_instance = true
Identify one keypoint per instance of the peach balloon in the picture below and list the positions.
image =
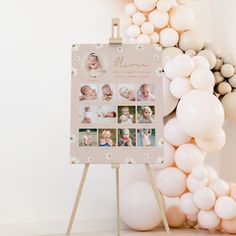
(191, 224)
(180, 86)
(171, 182)
(219, 187)
(187, 204)
(175, 216)
(208, 219)
(225, 208)
(187, 156)
(229, 226)
(200, 113)
(192, 218)
(194, 184)
(174, 134)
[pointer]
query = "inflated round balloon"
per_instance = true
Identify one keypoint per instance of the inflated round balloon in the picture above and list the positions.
(193, 184)
(191, 224)
(225, 208)
(154, 37)
(171, 182)
(229, 226)
(169, 37)
(187, 204)
(191, 39)
(213, 144)
(169, 157)
(218, 77)
(211, 173)
(232, 81)
(200, 113)
(187, 156)
(138, 18)
(170, 53)
(219, 187)
(173, 133)
(164, 5)
(180, 86)
(181, 18)
(145, 5)
(200, 61)
(125, 21)
(158, 19)
(139, 197)
(199, 172)
(214, 48)
(208, 219)
(204, 198)
(191, 52)
(229, 104)
(202, 78)
(232, 190)
(227, 70)
(192, 218)
(147, 28)
(143, 39)
(169, 101)
(133, 31)
(210, 56)
(175, 216)
(218, 65)
(130, 9)
(168, 68)
(230, 59)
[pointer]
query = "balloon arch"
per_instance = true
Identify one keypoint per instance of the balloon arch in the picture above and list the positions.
(199, 90)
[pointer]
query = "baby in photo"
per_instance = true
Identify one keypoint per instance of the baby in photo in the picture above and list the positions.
(106, 140)
(127, 93)
(146, 133)
(109, 114)
(125, 139)
(87, 138)
(87, 115)
(88, 93)
(107, 93)
(145, 93)
(126, 117)
(146, 115)
(94, 66)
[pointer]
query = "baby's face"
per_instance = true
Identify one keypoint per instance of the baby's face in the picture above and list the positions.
(111, 114)
(125, 134)
(92, 61)
(107, 134)
(88, 91)
(146, 131)
(147, 113)
(87, 109)
(106, 90)
(125, 92)
(125, 112)
(146, 91)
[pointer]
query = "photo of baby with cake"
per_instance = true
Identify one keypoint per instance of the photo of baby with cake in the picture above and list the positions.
(88, 92)
(126, 92)
(145, 92)
(107, 114)
(107, 137)
(88, 114)
(126, 114)
(87, 137)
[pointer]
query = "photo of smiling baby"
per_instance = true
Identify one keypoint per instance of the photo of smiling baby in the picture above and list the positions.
(107, 114)
(126, 92)
(126, 137)
(145, 92)
(107, 137)
(146, 114)
(88, 92)
(126, 114)
(88, 137)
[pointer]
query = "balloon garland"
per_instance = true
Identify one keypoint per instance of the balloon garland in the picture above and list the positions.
(199, 87)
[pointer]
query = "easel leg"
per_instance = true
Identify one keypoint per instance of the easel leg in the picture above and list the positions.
(78, 195)
(158, 198)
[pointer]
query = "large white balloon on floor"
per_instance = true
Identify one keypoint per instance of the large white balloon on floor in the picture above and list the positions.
(200, 114)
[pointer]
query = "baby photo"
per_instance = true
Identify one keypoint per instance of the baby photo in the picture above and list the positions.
(107, 137)
(146, 137)
(126, 114)
(107, 114)
(88, 137)
(107, 92)
(88, 114)
(146, 114)
(126, 137)
(126, 92)
(94, 65)
(145, 92)
(88, 92)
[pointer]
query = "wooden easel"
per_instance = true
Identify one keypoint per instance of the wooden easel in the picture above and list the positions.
(116, 39)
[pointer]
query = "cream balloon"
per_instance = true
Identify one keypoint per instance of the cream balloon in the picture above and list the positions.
(229, 104)
(218, 65)
(187, 156)
(133, 31)
(214, 48)
(192, 218)
(175, 216)
(199, 172)
(138, 18)
(200, 61)
(169, 53)
(171, 182)
(143, 39)
(191, 39)
(229, 226)
(232, 81)
(164, 5)
(173, 133)
(154, 37)
(227, 70)
(158, 19)
(232, 190)
(200, 113)
(218, 77)
(210, 56)
(169, 101)
(213, 144)
(202, 78)
(208, 219)
(219, 187)
(187, 204)
(130, 9)
(211, 173)
(147, 28)
(139, 197)
(180, 86)
(204, 198)
(169, 37)
(181, 18)
(125, 21)
(145, 5)
(194, 184)
(225, 208)
(191, 52)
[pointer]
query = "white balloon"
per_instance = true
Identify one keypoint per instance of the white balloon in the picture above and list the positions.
(169, 53)
(225, 208)
(193, 184)
(211, 173)
(171, 182)
(146, 5)
(200, 113)
(191, 52)
(181, 18)
(143, 39)
(130, 9)
(187, 156)
(168, 68)
(180, 86)
(191, 39)
(133, 31)
(204, 198)
(210, 56)
(138, 18)
(187, 204)
(199, 172)
(229, 104)
(169, 37)
(139, 197)
(147, 28)
(208, 219)
(158, 19)
(212, 144)
(164, 5)
(154, 37)
(214, 48)
(169, 101)
(200, 61)
(219, 187)
(173, 133)
(202, 78)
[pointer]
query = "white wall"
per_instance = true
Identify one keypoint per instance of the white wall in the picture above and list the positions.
(37, 184)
